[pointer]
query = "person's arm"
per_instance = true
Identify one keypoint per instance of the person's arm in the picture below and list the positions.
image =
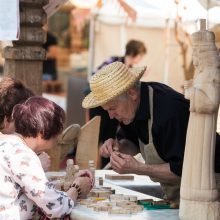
(159, 171)
(28, 174)
(51, 46)
(122, 163)
(52, 52)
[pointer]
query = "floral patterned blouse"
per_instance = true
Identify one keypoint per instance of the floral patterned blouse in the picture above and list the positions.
(24, 186)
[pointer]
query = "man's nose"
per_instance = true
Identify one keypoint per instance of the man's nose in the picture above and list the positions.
(111, 114)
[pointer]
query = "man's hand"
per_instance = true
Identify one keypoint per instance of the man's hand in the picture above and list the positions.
(123, 163)
(108, 147)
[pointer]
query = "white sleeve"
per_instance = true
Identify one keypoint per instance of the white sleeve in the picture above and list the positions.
(29, 175)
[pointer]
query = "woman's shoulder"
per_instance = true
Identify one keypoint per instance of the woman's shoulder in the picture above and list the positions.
(11, 142)
(10, 138)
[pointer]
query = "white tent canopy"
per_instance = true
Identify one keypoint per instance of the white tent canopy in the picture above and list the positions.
(111, 28)
(155, 13)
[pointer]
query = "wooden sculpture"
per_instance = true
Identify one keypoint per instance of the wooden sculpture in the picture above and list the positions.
(66, 141)
(199, 194)
(87, 147)
(71, 170)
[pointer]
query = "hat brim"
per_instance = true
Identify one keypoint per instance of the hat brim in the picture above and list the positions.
(90, 100)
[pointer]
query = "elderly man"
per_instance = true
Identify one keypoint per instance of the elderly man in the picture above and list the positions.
(135, 50)
(152, 115)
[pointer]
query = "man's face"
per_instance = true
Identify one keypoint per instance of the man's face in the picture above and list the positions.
(122, 109)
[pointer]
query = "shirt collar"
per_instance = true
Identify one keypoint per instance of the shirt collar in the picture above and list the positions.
(143, 112)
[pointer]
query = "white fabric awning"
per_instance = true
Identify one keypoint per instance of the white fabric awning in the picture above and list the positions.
(155, 13)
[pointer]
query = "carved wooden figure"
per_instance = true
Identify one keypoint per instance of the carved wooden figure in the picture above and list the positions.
(71, 170)
(24, 61)
(199, 191)
(87, 147)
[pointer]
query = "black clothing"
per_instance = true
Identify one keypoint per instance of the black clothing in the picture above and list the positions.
(108, 127)
(170, 121)
(49, 65)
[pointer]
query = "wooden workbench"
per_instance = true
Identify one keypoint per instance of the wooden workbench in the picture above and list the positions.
(83, 213)
(140, 183)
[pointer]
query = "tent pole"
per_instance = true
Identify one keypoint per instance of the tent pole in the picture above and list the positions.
(123, 38)
(167, 52)
(91, 45)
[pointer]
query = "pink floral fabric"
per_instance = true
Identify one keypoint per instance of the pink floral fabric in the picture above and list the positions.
(24, 186)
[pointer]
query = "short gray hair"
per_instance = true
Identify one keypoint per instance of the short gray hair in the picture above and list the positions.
(124, 95)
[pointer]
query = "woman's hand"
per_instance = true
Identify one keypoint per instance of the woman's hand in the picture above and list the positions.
(45, 160)
(84, 185)
(86, 173)
(72, 193)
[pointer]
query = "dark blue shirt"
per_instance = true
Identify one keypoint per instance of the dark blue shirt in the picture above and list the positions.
(109, 61)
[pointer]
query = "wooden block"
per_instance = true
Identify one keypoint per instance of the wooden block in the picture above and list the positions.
(88, 202)
(100, 181)
(118, 210)
(115, 196)
(126, 197)
(119, 177)
(136, 208)
(104, 194)
(102, 208)
(87, 147)
(100, 192)
(133, 198)
(125, 204)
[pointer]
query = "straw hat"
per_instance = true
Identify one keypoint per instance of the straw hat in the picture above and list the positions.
(109, 82)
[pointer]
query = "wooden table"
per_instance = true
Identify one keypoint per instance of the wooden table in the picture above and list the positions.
(140, 183)
(83, 213)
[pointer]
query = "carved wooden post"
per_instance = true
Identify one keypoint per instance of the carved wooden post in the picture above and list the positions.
(199, 194)
(24, 60)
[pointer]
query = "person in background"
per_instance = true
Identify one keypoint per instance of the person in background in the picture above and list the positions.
(134, 53)
(13, 92)
(153, 117)
(50, 64)
(24, 185)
